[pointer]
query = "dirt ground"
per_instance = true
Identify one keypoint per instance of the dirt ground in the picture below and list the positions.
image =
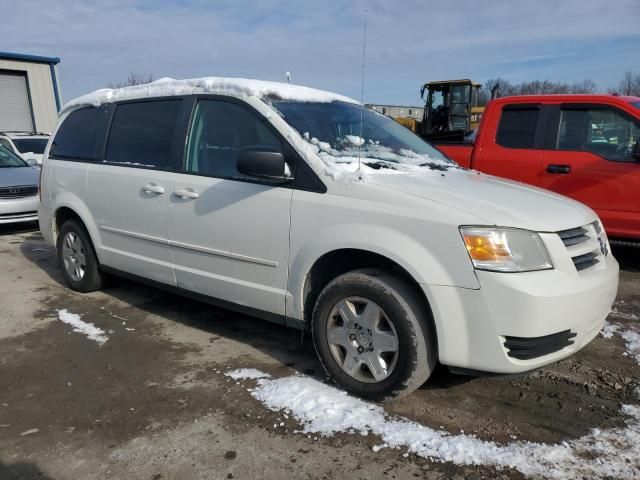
(153, 402)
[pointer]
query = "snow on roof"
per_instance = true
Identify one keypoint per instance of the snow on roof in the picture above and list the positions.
(236, 87)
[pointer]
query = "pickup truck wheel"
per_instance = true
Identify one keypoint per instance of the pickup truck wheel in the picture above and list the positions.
(77, 258)
(373, 334)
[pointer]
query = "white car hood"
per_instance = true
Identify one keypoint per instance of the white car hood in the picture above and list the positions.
(494, 200)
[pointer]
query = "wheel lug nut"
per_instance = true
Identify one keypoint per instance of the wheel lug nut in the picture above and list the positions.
(352, 337)
(360, 349)
(371, 347)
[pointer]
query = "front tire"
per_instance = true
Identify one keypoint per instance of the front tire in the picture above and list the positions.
(374, 335)
(77, 258)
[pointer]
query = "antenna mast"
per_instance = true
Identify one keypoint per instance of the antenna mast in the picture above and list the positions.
(364, 56)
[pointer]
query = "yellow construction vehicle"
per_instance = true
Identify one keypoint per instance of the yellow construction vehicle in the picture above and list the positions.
(451, 109)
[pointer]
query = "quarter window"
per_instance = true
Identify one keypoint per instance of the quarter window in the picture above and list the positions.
(141, 134)
(517, 127)
(602, 131)
(220, 132)
(81, 135)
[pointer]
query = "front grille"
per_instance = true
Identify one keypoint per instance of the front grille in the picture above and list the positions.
(585, 260)
(574, 236)
(19, 191)
(585, 245)
(527, 348)
(17, 216)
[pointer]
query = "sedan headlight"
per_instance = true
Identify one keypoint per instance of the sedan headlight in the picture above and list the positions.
(505, 249)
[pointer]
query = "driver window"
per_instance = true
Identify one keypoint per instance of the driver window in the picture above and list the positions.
(604, 132)
(220, 132)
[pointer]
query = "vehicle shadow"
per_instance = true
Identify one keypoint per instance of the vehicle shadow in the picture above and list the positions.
(628, 258)
(22, 471)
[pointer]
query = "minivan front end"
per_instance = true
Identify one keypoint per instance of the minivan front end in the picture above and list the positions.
(521, 320)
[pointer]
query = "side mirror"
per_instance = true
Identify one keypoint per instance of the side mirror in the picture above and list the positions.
(636, 151)
(32, 162)
(263, 164)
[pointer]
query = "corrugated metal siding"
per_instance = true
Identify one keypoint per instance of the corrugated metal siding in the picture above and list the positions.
(43, 99)
(15, 110)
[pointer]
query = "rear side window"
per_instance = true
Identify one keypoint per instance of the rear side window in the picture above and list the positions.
(81, 135)
(517, 127)
(141, 134)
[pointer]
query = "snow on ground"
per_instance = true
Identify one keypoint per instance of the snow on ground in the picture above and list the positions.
(608, 330)
(246, 374)
(89, 329)
(628, 332)
(236, 87)
(325, 410)
(632, 343)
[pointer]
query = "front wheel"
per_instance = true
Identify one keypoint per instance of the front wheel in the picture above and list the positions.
(373, 334)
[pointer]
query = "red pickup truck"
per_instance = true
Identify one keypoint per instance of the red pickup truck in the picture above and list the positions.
(583, 146)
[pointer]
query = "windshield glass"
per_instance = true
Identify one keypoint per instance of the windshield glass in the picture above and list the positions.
(9, 159)
(344, 132)
(35, 145)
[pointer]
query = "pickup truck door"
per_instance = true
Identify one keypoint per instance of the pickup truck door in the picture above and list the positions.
(589, 158)
(511, 145)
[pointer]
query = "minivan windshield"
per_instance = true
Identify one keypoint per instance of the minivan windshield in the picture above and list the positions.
(33, 145)
(9, 159)
(345, 133)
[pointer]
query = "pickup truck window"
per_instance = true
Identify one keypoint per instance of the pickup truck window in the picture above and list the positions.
(603, 131)
(517, 127)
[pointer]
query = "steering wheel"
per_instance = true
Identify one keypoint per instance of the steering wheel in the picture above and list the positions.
(624, 150)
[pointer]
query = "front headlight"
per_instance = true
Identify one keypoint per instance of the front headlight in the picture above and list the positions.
(505, 249)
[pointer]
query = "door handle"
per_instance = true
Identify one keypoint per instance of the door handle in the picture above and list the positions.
(153, 188)
(562, 169)
(184, 193)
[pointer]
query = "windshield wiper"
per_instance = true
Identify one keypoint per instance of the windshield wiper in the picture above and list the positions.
(436, 166)
(381, 164)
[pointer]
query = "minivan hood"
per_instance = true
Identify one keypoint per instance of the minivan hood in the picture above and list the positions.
(494, 200)
(15, 176)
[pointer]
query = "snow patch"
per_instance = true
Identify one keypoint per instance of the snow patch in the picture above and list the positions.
(89, 329)
(608, 330)
(325, 410)
(236, 87)
(632, 344)
(246, 374)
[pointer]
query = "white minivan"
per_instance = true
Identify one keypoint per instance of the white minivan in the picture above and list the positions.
(305, 208)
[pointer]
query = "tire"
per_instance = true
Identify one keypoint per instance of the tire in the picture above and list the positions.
(402, 313)
(82, 274)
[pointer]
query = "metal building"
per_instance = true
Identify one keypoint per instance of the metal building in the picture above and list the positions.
(29, 93)
(396, 111)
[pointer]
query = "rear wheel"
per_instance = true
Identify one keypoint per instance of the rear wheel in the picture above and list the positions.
(373, 334)
(77, 258)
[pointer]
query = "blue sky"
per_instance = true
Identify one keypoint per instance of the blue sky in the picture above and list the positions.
(320, 42)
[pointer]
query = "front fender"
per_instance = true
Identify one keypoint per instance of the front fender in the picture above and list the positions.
(424, 264)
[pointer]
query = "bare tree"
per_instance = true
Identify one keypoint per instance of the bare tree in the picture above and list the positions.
(533, 87)
(133, 79)
(629, 85)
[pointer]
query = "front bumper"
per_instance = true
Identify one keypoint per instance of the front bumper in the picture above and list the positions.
(19, 210)
(473, 325)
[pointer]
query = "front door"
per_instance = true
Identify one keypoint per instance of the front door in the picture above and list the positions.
(230, 232)
(590, 159)
(519, 141)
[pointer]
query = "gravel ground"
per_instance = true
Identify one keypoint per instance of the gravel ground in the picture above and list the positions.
(153, 402)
